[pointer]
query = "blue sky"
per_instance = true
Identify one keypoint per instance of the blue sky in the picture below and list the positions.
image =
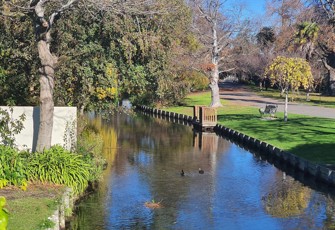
(256, 6)
(251, 7)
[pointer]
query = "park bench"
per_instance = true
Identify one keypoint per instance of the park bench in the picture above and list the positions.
(270, 109)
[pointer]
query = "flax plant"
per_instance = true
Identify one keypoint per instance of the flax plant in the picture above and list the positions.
(60, 166)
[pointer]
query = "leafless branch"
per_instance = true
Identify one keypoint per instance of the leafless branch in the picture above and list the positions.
(328, 6)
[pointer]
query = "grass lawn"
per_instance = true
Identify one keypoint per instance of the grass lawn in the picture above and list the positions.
(309, 137)
(315, 98)
(29, 210)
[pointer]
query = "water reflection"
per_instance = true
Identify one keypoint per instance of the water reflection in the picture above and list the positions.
(287, 197)
(236, 191)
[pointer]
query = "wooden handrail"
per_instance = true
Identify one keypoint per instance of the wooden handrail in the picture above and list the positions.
(208, 116)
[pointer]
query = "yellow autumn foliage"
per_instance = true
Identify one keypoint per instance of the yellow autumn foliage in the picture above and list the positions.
(111, 81)
(290, 73)
(287, 199)
(103, 93)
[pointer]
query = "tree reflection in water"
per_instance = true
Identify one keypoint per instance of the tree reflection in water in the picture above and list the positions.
(286, 198)
(146, 156)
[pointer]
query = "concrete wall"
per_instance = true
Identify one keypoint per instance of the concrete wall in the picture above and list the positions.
(65, 124)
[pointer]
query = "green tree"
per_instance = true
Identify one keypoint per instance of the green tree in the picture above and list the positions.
(265, 37)
(18, 65)
(289, 74)
(151, 53)
(306, 37)
(44, 15)
(87, 77)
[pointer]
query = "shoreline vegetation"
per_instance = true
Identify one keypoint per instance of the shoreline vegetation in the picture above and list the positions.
(308, 137)
(33, 184)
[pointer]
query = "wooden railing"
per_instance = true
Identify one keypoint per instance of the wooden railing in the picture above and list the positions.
(208, 116)
(205, 116)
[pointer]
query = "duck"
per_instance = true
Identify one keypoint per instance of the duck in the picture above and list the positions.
(201, 171)
(182, 173)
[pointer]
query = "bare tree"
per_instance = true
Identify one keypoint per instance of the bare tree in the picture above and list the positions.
(286, 10)
(328, 7)
(44, 14)
(326, 40)
(215, 30)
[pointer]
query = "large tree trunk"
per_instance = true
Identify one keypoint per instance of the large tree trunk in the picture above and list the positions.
(331, 78)
(331, 82)
(47, 72)
(214, 85)
(214, 78)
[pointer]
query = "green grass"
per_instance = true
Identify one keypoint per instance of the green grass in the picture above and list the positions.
(315, 98)
(30, 213)
(309, 137)
(30, 209)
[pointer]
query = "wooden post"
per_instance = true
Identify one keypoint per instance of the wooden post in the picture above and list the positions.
(196, 111)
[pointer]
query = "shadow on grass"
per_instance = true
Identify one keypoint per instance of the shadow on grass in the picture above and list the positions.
(309, 137)
(321, 153)
(238, 117)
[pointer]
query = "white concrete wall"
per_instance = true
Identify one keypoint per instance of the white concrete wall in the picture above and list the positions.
(63, 117)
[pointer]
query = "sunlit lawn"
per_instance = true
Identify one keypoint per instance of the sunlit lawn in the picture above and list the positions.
(30, 209)
(309, 137)
(315, 98)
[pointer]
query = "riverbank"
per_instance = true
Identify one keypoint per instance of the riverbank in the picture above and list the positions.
(311, 138)
(37, 185)
(32, 208)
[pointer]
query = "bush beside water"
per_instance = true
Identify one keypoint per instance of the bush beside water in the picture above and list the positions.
(55, 165)
(45, 173)
(59, 166)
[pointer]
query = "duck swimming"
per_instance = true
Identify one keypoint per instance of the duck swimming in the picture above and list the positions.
(201, 171)
(182, 173)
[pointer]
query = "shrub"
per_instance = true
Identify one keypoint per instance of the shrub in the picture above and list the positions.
(90, 146)
(59, 166)
(197, 80)
(9, 126)
(90, 141)
(12, 167)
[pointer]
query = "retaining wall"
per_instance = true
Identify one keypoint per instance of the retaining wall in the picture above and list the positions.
(63, 210)
(319, 172)
(65, 125)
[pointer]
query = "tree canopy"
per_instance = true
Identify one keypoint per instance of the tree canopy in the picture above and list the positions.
(289, 74)
(92, 54)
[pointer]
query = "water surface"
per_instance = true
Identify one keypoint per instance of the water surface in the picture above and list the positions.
(238, 190)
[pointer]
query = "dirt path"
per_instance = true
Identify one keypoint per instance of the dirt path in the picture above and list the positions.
(241, 95)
